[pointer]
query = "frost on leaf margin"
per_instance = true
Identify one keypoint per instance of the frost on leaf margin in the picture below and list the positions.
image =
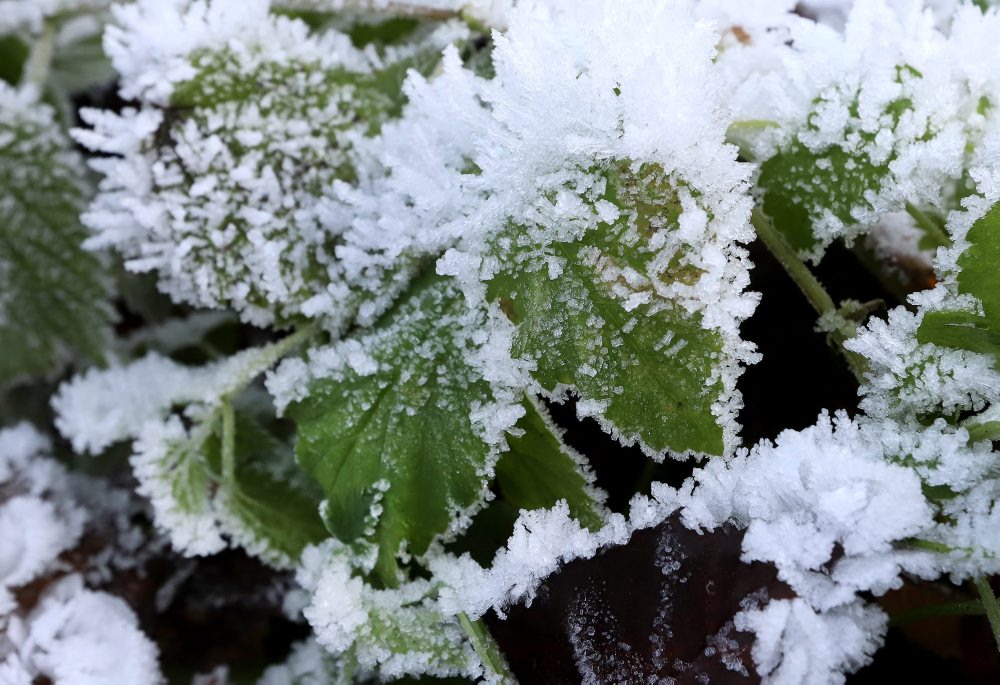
(609, 239)
(268, 506)
(52, 297)
(385, 424)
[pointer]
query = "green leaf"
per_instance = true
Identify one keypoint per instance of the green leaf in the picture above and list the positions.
(647, 369)
(539, 469)
(52, 294)
(805, 186)
(978, 276)
(390, 438)
(80, 65)
(275, 504)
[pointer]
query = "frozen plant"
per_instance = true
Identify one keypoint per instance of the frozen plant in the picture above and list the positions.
(312, 279)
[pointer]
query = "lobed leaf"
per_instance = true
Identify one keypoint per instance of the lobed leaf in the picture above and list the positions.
(389, 435)
(590, 318)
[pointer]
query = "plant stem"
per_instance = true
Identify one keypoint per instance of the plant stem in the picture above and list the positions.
(928, 225)
(486, 648)
(228, 442)
(795, 267)
(990, 605)
(810, 286)
(935, 610)
(36, 69)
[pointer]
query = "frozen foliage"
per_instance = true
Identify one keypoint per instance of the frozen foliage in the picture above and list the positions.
(172, 452)
(458, 226)
(884, 111)
(232, 199)
(72, 634)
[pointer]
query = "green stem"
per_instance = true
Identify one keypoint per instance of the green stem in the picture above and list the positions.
(486, 648)
(933, 230)
(36, 70)
(228, 442)
(936, 610)
(795, 267)
(990, 605)
(810, 286)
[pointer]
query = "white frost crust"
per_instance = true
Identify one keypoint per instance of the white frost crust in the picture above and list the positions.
(542, 541)
(38, 520)
(151, 42)
(73, 635)
(867, 63)
(78, 636)
(906, 377)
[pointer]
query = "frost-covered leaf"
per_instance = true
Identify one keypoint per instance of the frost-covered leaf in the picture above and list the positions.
(387, 429)
(51, 290)
(977, 276)
(801, 185)
(175, 415)
(594, 314)
(393, 632)
(225, 182)
(539, 469)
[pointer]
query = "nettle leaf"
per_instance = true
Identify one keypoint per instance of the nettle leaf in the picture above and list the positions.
(589, 318)
(388, 433)
(234, 203)
(52, 296)
(978, 276)
(539, 469)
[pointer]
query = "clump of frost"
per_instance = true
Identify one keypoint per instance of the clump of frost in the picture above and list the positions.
(795, 644)
(72, 634)
(37, 521)
(75, 635)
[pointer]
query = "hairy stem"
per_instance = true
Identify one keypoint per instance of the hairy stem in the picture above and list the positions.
(36, 69)
(486, 648)
(810, 286)
(989, 601)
